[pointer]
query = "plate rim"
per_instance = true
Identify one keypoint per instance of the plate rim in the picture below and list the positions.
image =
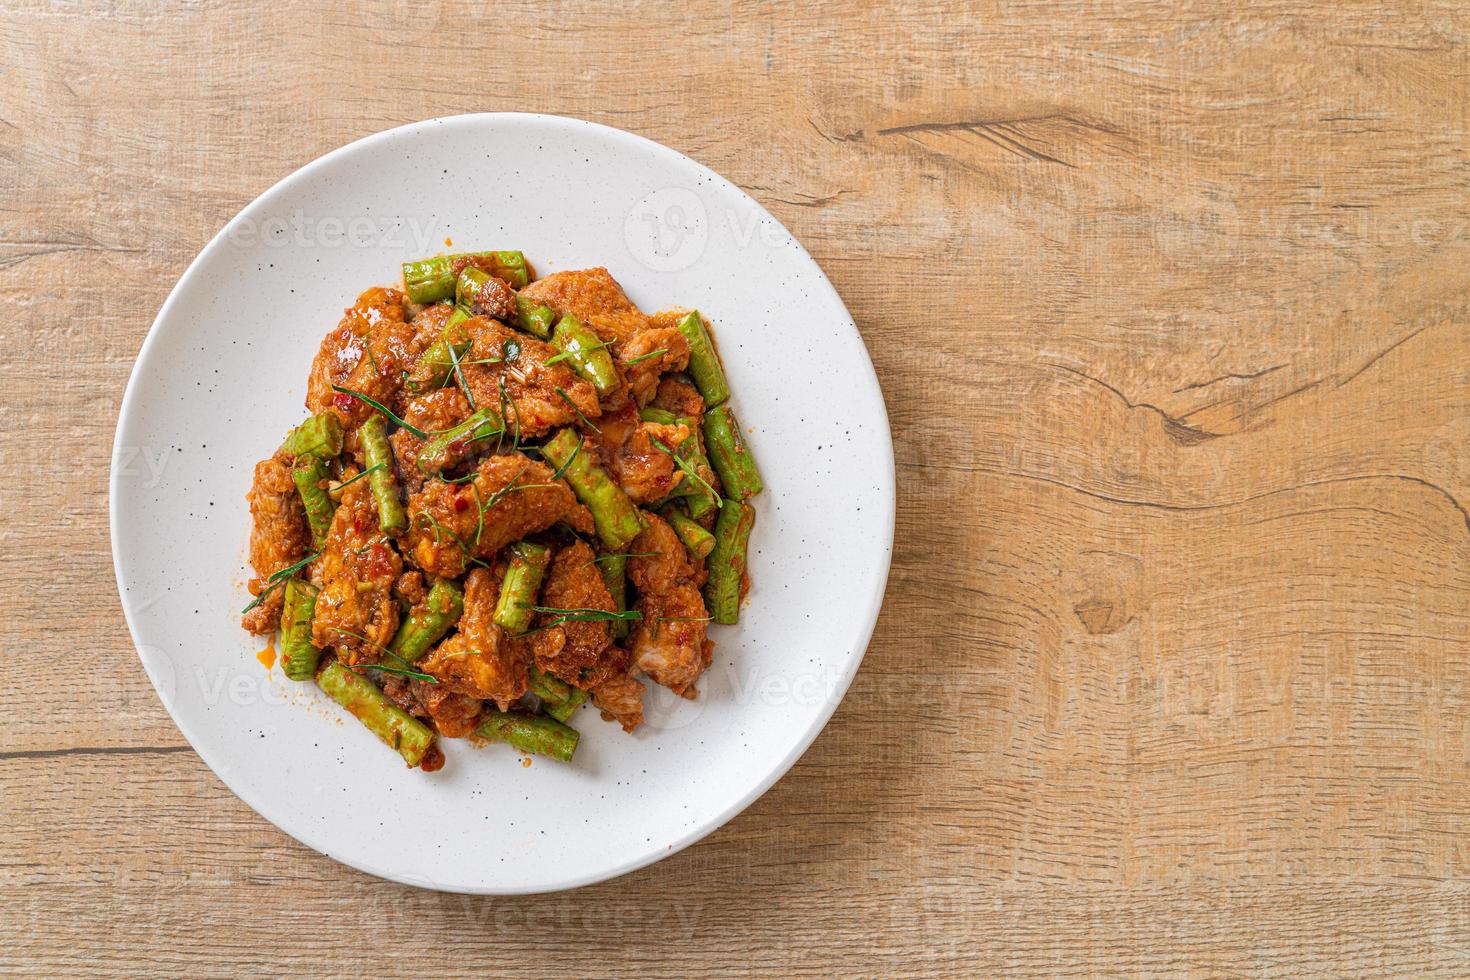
(871, 610)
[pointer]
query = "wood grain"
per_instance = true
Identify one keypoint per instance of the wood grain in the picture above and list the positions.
(1168, 301)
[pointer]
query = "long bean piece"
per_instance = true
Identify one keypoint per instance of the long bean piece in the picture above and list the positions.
(658, 416)
(320, 435)
(614, 569)
(534, 318)
(309, 474)
(432, 280)
(586, 354)
(562, 710)
(729, 454)
(369, 705)
(530, 733)
(699, 541)
(511, 266)
(548, 687)
(298, 656)
(458, 316)
(374, 435)
(698, 498)
(452, 445)
(424, 627)
(613, 514)
(435, 364)
(704, 361)
(522, 582)
(701, 502)
(727, 561)
(479, 293)
(558, 698)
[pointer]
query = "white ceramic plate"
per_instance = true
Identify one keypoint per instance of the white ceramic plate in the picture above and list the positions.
(222, 376)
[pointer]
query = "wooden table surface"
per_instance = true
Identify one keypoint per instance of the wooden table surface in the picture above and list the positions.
(1168, 302)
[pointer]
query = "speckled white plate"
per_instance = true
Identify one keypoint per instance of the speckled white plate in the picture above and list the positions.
(222, 376)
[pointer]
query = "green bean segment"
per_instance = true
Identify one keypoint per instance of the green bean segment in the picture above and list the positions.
(613, 514)
(399, 730)
(726, 562)
(298, 656)
(423, 627)
(731, 458)
(530, 733)
(614, 569)
(452, 446)
(320, 435)
(392, 518)
(528, 561)
(586, 355)
(704, 361)
(432, 280)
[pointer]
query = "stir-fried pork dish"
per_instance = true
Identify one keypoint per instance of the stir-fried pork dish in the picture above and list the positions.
(513, 496)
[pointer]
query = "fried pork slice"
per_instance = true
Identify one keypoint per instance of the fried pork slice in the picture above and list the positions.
(494, 298)
(620, 697)
(428, 324)
(614, 428)
(594, 297)
(575, 582)
(368, 353)
(356, 613)
(644, 471)
(509, 497)
(479, 660)
(652, 353)
(668, 643)
(279, 537)
(435, 411)
(412, 589)
(453, 714)
(538, 396)
(680, 397)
